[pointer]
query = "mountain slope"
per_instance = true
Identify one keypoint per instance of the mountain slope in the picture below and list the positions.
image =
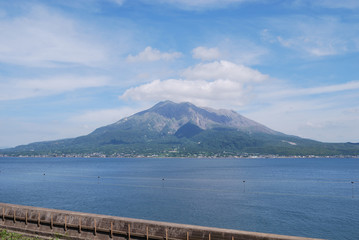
(168, 117)
(183, 129)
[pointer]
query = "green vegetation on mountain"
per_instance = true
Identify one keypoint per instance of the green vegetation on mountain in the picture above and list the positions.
(184, 130)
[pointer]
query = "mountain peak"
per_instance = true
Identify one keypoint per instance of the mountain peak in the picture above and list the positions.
(172, 110)
(171, 116)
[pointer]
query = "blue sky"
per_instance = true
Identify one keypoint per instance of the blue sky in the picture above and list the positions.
(68, 67)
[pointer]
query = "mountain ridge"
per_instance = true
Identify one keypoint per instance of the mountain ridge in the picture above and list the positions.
(204, 118)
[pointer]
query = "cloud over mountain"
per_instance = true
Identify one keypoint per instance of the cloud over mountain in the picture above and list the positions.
(202, 84)
(224, 70)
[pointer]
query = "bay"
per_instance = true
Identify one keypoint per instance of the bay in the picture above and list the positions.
(316, 197)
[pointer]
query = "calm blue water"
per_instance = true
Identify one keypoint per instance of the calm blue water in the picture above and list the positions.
(303, 197)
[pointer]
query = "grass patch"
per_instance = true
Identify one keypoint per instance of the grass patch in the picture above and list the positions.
(5, 235)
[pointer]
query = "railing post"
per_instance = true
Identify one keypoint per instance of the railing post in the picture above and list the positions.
(146, 232)
(65, 225)
(129, 231)
(94, 228)
(52, 222)
(38, 219)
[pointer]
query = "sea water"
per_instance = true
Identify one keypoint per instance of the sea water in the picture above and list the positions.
(302, 197)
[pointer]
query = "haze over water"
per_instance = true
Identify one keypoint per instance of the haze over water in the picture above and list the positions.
(303, 197)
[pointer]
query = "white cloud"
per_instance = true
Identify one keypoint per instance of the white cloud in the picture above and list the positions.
(243, 51)
(349, 4)
(45, 38)
(151, 54)
(318, 4)
(314, 36)
(235, 49)
(315, 46)
(206, 53)
(118, 2)
(199, 4)
(302, 92)
(27, 88)
(198, 92)
(205, 84)
(223, 70)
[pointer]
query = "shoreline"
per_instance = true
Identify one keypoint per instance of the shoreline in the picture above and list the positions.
(188, 157)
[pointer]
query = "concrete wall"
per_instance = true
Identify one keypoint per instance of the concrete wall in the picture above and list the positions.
(74, 225)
